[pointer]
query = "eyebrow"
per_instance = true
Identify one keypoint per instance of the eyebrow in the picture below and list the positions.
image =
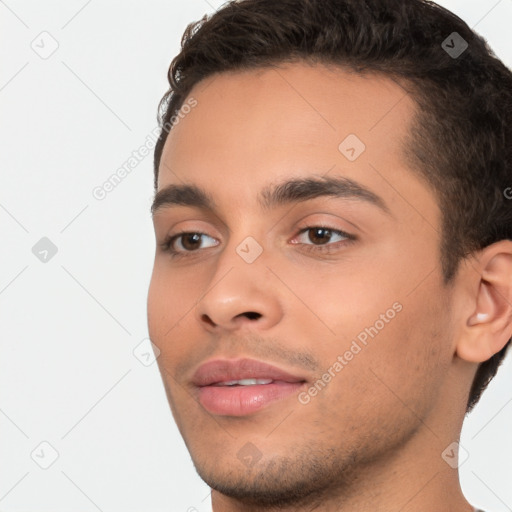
(291, 191)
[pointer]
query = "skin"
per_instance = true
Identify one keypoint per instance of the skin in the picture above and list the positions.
(373, 437)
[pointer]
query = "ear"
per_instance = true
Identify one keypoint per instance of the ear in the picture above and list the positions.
(488, 325)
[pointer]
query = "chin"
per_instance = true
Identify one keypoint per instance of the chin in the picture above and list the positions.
(306, 479)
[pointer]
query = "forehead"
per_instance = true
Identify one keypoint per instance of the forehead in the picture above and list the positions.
(265, 125)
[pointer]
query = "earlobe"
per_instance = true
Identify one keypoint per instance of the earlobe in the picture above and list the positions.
(489, 325)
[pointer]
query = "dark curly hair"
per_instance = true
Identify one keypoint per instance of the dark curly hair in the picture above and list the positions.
(461, 138)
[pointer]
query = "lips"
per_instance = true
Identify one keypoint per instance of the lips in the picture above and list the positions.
(243, 386)
(224, 370)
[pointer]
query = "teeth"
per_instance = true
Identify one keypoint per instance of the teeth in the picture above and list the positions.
(245, 382)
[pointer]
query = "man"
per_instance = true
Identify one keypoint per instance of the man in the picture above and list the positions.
(332, 286)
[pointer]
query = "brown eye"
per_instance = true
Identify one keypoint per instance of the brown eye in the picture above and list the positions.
(322, 239)
(185, 242)
(189, 241)
(319, 235)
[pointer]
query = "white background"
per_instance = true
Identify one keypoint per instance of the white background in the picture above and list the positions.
(68, 375)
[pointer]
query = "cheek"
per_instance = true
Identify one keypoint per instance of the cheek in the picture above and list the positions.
(387, 383)
(338, 303)
(171, 296)
(410, 357)
(166, 311)
(366, 295)
(383, 329)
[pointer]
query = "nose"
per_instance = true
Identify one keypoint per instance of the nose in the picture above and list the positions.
(239, 296)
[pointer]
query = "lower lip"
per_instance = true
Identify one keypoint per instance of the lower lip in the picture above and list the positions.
(243, 400)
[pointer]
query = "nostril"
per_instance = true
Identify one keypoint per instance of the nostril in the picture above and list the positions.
(208, 320)
(252, 315)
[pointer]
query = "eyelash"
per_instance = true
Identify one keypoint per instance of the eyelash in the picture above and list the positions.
(167, 244)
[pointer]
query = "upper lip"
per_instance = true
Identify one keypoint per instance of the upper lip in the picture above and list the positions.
(224, 370)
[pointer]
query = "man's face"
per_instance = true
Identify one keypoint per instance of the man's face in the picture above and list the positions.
(355, 315)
